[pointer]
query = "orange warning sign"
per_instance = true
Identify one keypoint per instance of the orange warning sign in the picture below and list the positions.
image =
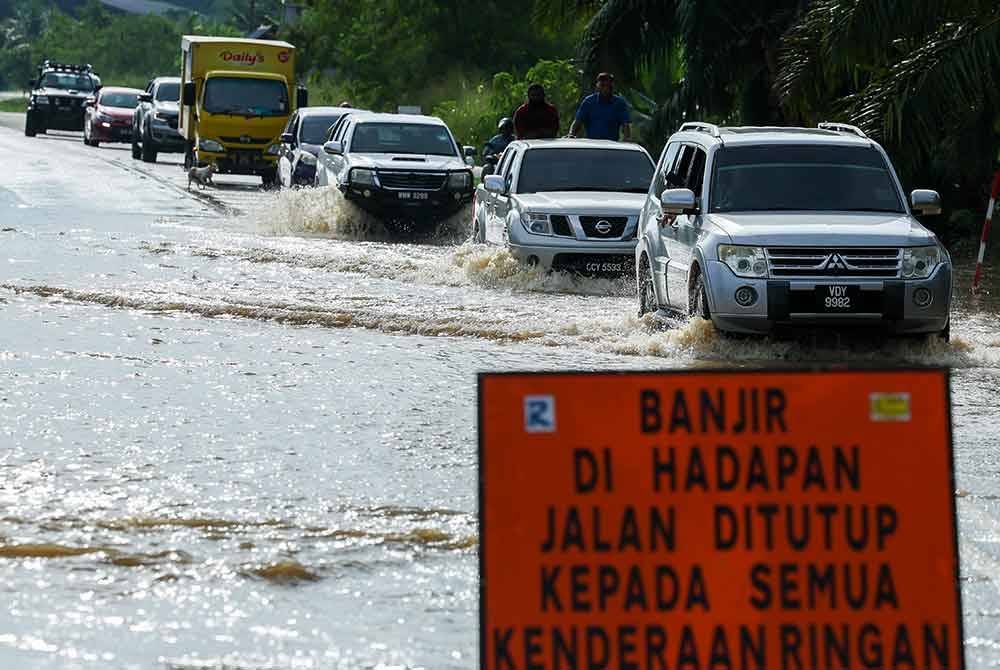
(709, 520)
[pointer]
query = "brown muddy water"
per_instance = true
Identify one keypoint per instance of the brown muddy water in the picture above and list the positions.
(238, 429)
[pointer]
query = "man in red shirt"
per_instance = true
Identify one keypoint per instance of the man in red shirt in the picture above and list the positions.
(536, 119)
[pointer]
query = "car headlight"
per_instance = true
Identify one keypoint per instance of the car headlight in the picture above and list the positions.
(307, 158)
(919, 262)
(362, 177)
(537, 224)
(459, 181)
(104, 118)
(41, 99)
(744, 261)
(211, 145)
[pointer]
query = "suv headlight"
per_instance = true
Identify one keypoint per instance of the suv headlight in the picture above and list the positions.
(307, 158)
(535, 223)
(919, 262)
(41, 99)
(362, 177)
(459, 181)
(744, 261)
(211, 145)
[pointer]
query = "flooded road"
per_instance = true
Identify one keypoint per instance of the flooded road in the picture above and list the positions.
(239, 427)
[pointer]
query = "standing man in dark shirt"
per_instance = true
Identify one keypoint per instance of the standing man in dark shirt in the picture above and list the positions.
(536, 119)
(604, 114)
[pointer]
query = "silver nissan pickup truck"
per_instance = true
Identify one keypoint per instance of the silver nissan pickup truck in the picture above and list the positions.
(764, 229)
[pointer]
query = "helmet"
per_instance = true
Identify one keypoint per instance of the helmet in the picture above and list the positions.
(505, 124)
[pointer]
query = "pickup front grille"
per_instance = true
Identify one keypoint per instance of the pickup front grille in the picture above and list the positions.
(604, 227)
(874, 262)
(401, 180)
(244, 139)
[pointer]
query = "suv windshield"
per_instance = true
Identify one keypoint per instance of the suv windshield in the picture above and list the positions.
(248, 97)
(120, 99)
(168, 92)
(315, 128)
(813, 178)
(403, 138)
(565, 169)
(67, 80)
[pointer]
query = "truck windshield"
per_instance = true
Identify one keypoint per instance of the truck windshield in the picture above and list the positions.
(67, 80)
(565, 169)
(168, 92)
(127, 100)
(813, 178)
(403, 138)
(246, 97)
(315, 127)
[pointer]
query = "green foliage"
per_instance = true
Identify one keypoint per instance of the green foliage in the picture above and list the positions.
(473, 115)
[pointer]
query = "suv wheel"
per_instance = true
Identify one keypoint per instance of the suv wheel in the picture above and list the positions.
(29, 126)
(698, 299)
(645, 289)
(148, 148)
(136, 149)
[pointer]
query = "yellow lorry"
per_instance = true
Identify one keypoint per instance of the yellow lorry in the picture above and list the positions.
(236, 98)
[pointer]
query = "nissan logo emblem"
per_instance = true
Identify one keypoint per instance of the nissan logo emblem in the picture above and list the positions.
(603, 227)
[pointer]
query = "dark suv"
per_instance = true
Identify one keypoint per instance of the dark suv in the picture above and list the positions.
(154, 123)
(58, 97)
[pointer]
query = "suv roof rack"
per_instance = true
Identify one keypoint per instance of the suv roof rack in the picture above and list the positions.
(701, 127)
(65, 67)
(841, 128)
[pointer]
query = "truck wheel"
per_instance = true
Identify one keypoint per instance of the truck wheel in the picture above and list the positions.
(148, 148)
(269, 179)
(645, 289)
(698, 301)
(29, 126)
(136, 149)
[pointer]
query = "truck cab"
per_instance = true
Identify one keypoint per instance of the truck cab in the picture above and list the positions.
(236, 98)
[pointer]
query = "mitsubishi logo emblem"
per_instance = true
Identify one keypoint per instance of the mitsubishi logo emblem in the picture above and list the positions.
(835, 263)
(603, 227)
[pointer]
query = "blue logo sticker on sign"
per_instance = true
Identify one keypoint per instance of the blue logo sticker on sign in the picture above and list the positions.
(539, 414)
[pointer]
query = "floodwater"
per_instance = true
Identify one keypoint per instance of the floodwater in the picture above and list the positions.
(238, 428)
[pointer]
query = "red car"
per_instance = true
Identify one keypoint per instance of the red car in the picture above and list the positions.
(109, 116)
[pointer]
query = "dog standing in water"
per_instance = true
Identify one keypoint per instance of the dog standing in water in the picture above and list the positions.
(201, 176)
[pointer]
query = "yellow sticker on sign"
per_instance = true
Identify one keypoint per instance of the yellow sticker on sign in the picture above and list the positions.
(889, 406)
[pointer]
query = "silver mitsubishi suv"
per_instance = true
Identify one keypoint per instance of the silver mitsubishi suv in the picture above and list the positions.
(760, 229)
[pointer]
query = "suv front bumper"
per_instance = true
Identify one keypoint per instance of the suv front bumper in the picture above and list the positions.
(404, 204)
(888, 304)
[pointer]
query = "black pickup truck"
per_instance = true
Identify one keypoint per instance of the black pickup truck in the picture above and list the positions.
(58, 97)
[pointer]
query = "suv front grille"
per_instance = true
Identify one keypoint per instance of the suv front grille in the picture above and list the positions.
(416, 181)
(591, 224)
(880, 263)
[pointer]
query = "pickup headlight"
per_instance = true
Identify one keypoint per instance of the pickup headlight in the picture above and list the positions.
(307, 158)
(919, 262)
(41, 99)
(537, 224)
(211, 145)
(362, 177)
(460, 181)
(744, 261)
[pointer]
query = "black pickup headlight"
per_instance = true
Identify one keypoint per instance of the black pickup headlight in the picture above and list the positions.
(460, 181)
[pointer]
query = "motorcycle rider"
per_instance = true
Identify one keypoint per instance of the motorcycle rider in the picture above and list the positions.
(536, 119)
(604, 114)
(496, 145)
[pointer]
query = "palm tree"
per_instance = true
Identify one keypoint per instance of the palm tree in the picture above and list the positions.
(727, 51)
(922, 76)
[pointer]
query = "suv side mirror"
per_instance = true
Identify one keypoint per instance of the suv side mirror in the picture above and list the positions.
(469, 151)
(925, 202)
(494, 183)
(301, 97)
(90, 102)
(145, 97)
(678, 201)
(288, 138)
(188, 96)
(334, 148)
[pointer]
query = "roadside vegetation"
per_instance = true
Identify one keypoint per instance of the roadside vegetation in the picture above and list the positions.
(922, 77)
